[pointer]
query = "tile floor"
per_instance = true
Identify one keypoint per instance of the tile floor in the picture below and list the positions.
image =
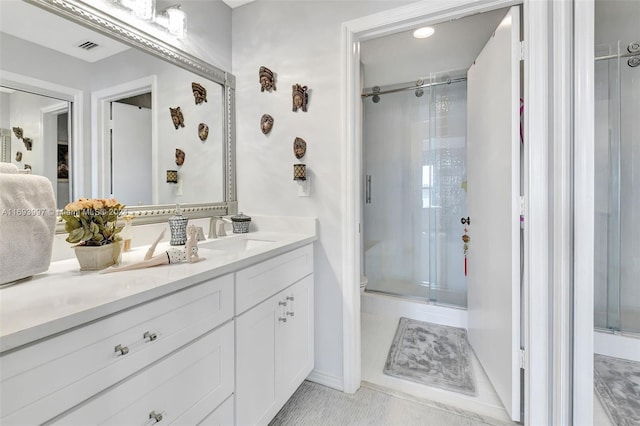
(316, 405)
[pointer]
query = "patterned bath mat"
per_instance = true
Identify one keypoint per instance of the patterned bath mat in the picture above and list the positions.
(432, 354)
(617, 383)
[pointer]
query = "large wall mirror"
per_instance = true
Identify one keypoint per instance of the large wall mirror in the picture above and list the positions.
(98, 101)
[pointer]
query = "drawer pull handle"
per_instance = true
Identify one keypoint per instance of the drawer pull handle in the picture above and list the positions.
(150, 336)
(282, 319)
(282, 303)
(289, 313)
(290, 298)
(155, 416)
(122, 349)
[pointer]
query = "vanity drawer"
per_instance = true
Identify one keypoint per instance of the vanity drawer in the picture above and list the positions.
(42, 380)
(259, 282)
(200, 371)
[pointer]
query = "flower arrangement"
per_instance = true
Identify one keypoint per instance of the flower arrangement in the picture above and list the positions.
(92, 222)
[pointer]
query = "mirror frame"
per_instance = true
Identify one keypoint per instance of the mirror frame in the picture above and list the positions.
(98, 20)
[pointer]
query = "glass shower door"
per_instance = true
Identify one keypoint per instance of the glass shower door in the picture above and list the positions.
(414, 163)
(617, 179)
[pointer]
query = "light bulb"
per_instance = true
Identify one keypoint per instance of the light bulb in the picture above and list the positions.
(423, 32)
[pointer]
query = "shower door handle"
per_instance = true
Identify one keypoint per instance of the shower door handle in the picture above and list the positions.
(367, 189)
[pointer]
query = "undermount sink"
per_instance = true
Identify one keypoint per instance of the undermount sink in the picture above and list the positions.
(235, 243)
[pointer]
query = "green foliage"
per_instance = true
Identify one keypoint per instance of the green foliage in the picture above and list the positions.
(92, 221)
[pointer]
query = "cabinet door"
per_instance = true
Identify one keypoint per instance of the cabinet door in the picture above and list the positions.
(294, 339)
(221, 416)
(255, 363)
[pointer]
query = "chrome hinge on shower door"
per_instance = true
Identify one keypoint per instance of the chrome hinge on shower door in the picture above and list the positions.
(522, 359)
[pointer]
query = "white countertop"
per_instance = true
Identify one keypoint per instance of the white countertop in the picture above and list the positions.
(64, 297)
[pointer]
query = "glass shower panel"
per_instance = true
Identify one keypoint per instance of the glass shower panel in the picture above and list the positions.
(607, 194)
(617, 179)
(629, 197)
(444, 155)
(414, 162)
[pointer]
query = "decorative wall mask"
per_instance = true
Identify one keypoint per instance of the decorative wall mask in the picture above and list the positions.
(199, 93)
(203, 131)
(18, 132)
(267, 79)
(19, 156)
(299, 148)
(179, 157)
(177, 117)
(28, 142)
(266, 123)
(300, 97)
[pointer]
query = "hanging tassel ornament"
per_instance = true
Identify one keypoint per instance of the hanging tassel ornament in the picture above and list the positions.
(465, 246)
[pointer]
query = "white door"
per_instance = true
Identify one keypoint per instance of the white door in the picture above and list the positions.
(493, 189)
(131, 154)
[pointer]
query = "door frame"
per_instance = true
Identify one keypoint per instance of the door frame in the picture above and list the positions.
(49, 126)
(100, 100)
(583, 204)
(537, 298)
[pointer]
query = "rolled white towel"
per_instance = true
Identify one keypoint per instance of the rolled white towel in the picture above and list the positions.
(8, 168)
(27, 225)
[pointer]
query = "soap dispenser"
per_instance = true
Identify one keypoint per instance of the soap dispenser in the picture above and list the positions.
(178, 226)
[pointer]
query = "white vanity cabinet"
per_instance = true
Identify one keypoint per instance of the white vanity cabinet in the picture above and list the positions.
(137, 359)
(219, 343)
(274, 339)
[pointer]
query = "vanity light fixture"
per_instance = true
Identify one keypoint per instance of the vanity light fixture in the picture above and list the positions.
(174, 20)
(423, 32)
(142, 9)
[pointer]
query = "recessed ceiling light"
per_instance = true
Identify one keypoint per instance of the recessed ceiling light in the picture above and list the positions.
(423, 32)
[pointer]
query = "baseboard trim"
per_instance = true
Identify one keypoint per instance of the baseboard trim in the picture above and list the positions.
(326, 379)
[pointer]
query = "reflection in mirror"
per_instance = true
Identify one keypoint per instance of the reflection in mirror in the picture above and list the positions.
(42, 145)
(117, 148)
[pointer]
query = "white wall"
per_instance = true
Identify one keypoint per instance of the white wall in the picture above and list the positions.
(4, 111)
(301, 42)
(25, 112)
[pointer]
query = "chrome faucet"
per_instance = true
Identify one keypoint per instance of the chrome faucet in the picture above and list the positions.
(216, 226)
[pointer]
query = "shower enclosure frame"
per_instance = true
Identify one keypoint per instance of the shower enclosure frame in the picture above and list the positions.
(541, 116)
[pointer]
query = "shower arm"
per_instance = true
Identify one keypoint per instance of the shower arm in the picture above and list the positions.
(414, 87)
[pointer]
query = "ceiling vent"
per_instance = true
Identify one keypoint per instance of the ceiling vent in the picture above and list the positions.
(87, 45)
